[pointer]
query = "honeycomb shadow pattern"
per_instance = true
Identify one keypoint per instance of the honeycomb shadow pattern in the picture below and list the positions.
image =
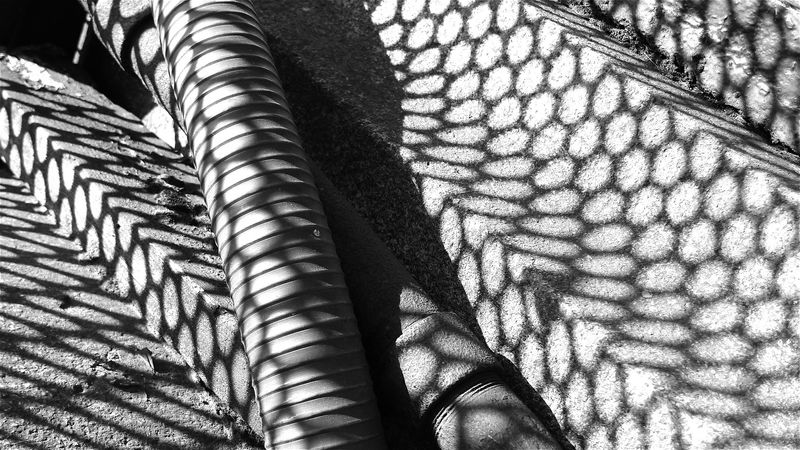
(135, 207)
(77, 369)
(632, 250)
(745, 53)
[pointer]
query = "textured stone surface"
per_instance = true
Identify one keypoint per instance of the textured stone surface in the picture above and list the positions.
(632, 250)
(629, 248)
(744, 52)
(384, 293)
(135, 207)
(77, 368)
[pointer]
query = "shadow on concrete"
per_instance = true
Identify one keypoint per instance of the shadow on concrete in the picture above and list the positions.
(622, 243)
(76, 367)
(744, 54)
(135, 207)
(381, 187)
(631, 249)
(350, 115)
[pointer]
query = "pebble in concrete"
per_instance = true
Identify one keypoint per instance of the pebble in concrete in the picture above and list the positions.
(743, 52)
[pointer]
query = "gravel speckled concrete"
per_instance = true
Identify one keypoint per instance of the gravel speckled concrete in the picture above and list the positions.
(745, 53)
(630, 248)
(633, 250)
(135, 207)
(77, 367)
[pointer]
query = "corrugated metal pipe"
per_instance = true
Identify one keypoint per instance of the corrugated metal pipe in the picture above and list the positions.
(299, 332)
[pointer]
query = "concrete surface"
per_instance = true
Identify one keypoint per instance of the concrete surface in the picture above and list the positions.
(388, 295)
(630, 247)
(77, 368)
(632, 250)
(743, 52)
(135, 206)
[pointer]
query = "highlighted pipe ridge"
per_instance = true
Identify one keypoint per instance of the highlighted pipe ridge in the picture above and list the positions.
(298, 327)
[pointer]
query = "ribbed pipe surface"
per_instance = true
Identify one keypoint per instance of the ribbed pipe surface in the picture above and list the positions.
(297, 323)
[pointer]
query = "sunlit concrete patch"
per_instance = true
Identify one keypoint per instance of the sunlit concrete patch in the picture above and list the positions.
(744, 52)
(634, 254)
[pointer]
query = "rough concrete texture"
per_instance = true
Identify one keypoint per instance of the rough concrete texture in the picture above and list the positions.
(633, 250)
(77, 368)
(635, 253)
(135, 205)
(743, 52)
(386, 297)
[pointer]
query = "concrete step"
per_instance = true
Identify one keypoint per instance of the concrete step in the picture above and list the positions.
(624, 242)
(133, 204)
(630, 247)
(743, 53)
(77, 367)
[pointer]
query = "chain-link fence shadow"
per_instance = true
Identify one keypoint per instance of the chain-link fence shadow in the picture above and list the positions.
(135, 207)
(77, 368)
(631, 250)
(744, 53)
